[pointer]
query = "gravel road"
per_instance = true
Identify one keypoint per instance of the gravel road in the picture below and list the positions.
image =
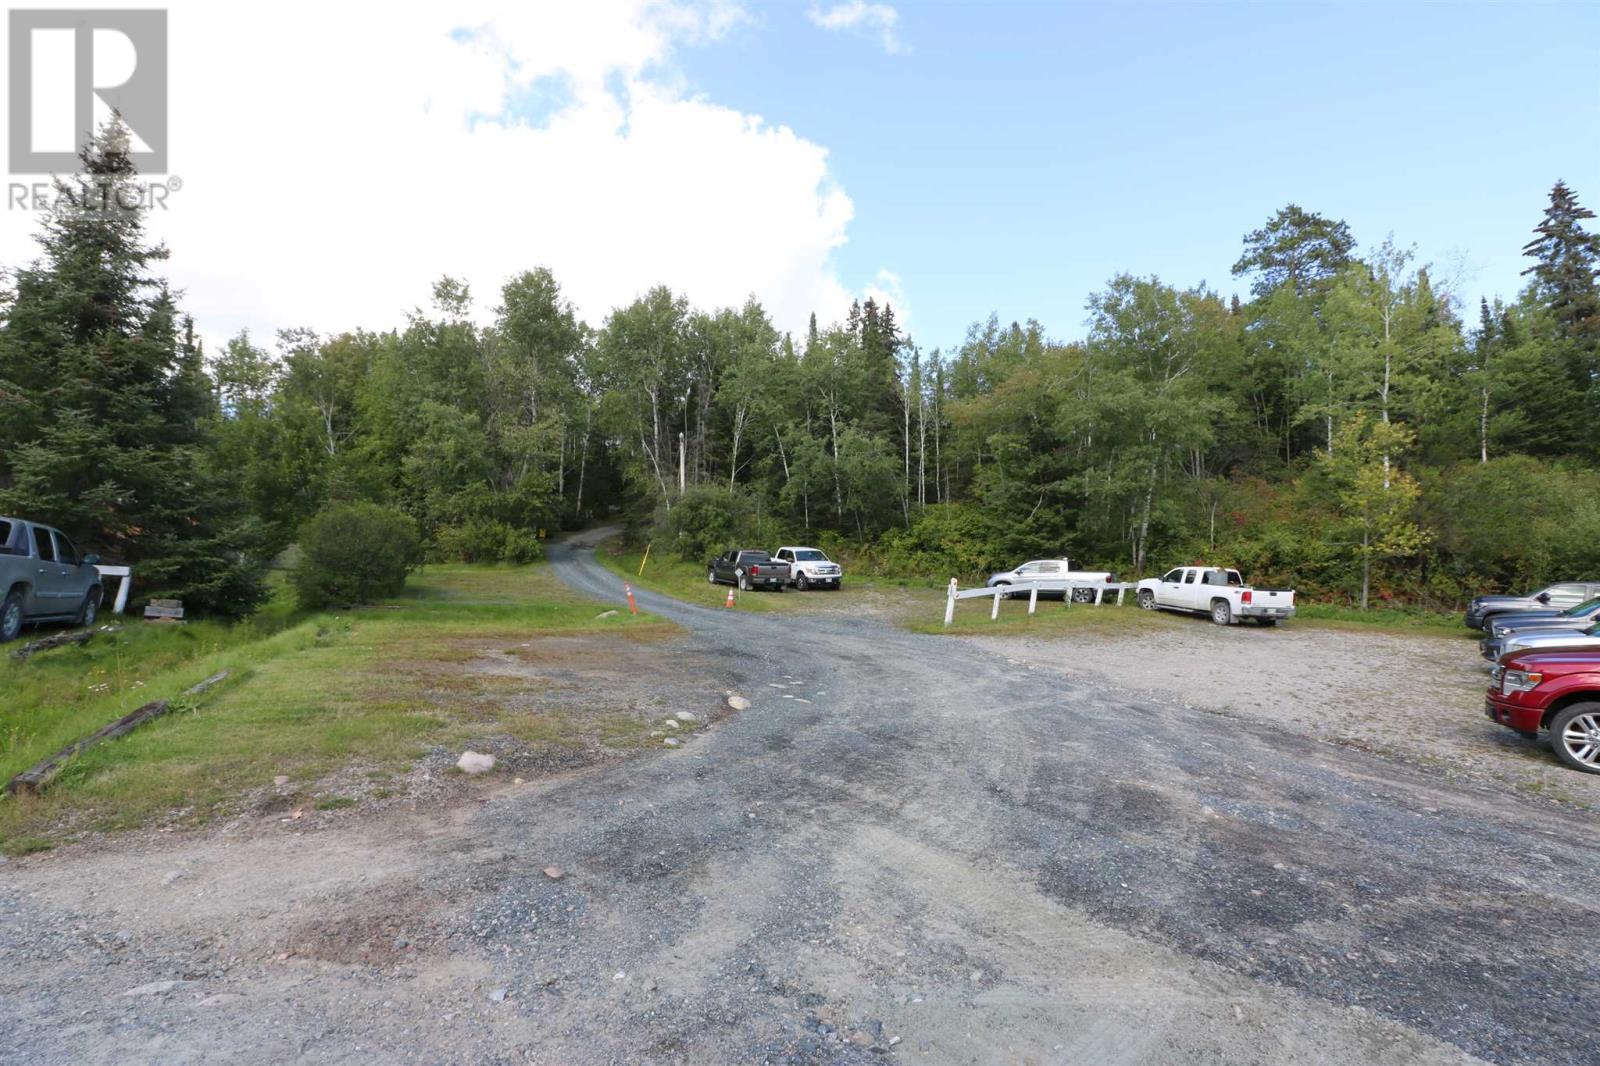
(906, 849)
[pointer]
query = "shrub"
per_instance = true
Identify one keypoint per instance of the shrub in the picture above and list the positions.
(704, 521)
(354, 553)
(483, 540)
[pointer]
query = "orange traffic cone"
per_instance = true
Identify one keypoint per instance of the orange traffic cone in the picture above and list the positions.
(730, 597)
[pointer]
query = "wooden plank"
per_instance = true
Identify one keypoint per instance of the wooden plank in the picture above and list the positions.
(79, 636)
(154, 611)
(39, 776)
(167, 603)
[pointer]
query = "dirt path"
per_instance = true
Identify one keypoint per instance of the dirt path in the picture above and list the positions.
(905, 849)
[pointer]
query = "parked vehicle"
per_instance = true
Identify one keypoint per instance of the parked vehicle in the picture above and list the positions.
(810, 568)
(1053, 575)
(1556, 691)
(749, 568)
(1573, 619)
(1521, 640)
(1559, 597)
(1217, 591)
(43, 578)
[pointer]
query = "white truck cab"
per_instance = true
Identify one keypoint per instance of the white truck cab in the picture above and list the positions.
(1217, 591)
(810, 568)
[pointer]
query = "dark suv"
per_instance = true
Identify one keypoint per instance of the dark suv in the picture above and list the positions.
(1560, 596)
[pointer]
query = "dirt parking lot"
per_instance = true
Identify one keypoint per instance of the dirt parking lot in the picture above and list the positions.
(1412, 697)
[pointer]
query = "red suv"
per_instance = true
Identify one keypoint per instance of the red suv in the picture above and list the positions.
(1558, 691)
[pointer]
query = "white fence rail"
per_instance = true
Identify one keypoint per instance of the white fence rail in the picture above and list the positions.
(999, 592)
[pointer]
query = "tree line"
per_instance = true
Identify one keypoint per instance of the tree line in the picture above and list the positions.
(1339, 425)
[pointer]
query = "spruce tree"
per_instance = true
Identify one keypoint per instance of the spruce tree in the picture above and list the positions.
(102, 428)
(1567, 263)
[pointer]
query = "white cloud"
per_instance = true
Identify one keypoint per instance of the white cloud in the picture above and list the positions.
(859, 14)
(337, 159)
(887, 288)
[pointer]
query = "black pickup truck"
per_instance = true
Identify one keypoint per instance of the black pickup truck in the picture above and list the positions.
(748, 568)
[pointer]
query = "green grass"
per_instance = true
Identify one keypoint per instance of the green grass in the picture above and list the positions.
(306, 695)
(672, 576)
(1390, 619)
(972, 618)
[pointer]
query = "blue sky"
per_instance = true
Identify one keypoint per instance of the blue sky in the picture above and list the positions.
(1013, 156)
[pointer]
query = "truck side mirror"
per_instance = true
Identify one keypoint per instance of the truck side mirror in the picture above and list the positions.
(91, 559)
(1543, 597)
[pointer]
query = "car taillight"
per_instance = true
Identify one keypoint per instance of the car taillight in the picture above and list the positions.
(1110, 578)
(755, 569)
(1246, 597)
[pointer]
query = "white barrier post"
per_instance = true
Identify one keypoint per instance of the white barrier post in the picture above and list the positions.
(995, 612)
(1033, 600)
(1072, 591)
(950, 605)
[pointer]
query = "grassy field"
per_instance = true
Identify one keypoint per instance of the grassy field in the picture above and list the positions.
(306, 695)
(972, 617)
(687, 581)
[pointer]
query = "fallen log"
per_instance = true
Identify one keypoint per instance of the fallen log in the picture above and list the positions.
(35, 779)
(58, 640)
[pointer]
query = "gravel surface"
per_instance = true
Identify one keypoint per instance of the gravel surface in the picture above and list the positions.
(905, 848)
(1411, 697)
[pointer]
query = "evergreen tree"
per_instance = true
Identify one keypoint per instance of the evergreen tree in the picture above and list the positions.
(109, 404)
(1566, 267)
(1297, 248)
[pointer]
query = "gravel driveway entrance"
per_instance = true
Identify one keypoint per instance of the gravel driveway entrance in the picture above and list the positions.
(906, 849)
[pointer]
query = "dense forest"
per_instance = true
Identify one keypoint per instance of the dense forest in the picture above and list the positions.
(1340, 424)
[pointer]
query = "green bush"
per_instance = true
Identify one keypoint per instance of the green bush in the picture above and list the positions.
(482, 540)
(354, 553)
(706, 520)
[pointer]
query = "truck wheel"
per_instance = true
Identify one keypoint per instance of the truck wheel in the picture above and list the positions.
(11, 617)
(744, 582)
(711, 576)
(1221, 613)
(1575, 737)
(1266, 623)
(1147, 599)
(91, 604)
(801, 583)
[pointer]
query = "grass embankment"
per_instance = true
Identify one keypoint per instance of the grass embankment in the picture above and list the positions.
(672, 576)
(972, 618)
(306, 695)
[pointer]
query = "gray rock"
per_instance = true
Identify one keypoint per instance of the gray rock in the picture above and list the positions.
(472, 762)
(158, 988)
(281, 780)
(738, 703)
(499, 994)
(221, 999)
(671, 742)
(687, 716)
(606, 614)
(172, 875)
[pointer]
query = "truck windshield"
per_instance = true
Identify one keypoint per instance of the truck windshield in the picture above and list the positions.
(810, 555)
(1571, 612)
(754, 557)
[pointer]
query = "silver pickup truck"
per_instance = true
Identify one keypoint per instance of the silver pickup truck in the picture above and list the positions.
(43, 578)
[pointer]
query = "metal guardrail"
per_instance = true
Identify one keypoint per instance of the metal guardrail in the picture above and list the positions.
(999, 592)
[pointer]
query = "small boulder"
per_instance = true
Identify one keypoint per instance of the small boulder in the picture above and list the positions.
(738, 703)
(554, 873)
(281, 780)
(473, 762)
(671, 742)
(605, 614)
(688, 716)
(499, 994)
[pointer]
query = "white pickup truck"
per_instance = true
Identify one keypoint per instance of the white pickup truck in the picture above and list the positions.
(1217, 591)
